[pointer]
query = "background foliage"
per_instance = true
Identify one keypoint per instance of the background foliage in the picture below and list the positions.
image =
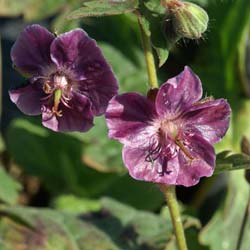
(53, 186)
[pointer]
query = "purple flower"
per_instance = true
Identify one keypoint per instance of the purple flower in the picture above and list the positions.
(169, 140)
(69, 81)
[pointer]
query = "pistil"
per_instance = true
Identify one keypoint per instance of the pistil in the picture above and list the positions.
(57, 99)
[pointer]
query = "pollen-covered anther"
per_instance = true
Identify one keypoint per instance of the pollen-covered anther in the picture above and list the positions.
(46, 87)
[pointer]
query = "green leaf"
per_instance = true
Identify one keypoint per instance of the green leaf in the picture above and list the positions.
(30, 9)
(57, 156)
(54, 156)
(103, 8)
(222, 232)
(226, 161)
(73, 204)
(114, 227)
(59, 25)
(9, 188)
(38, 10)
(49, 230)
(12, 7)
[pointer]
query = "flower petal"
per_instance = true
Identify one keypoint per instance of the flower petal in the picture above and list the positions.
(158, 171)
(129, 118)
(210, 119)
(28, 98)
(178, 94)
(76, 118)
(202, 164)
(99, 90)
(78, 54)
(31, 51)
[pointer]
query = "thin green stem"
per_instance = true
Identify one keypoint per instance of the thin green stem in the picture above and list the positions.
(149, 58)
(170, 195)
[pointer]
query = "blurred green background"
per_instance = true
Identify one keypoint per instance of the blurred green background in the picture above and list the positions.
(81, 194)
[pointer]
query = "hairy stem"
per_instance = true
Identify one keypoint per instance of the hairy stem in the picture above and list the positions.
(170, 195)
(149, 58)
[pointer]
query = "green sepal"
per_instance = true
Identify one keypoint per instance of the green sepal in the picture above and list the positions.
(226, 161)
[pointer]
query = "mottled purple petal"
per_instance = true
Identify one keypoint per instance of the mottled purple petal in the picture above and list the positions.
(210, 119)
(202, 164)
(31, 51)
(99, 90)
(129, 119)
(159, 171)
(178, 94)
(28, 99)
(79, 53)
(76, 118)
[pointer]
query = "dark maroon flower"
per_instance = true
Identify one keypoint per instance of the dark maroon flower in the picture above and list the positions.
(69, 81)
(170, 140)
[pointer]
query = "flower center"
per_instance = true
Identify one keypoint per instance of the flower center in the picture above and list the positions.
(169, 129)
(58, 90)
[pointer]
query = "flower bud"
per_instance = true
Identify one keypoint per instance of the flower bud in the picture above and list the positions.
(188, 19)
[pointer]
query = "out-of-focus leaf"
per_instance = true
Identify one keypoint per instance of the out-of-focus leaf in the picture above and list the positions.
(104, 8)
(227, 161)
(73, 204)
(216, 66)
(54, 156)
(114, 227)
(131, 76)
(49, 230)
(241, 122)
(38, 10)
(9, 188)
(136, 230)
(60, 25)
(2, 144)
(13, 7)
(222, 232)
(30, 9)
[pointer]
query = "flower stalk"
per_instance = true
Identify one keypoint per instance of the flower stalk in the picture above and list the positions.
(170, 195)
(149, 58)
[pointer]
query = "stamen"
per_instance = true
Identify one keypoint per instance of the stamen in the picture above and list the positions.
(46, 87)
(179, 143)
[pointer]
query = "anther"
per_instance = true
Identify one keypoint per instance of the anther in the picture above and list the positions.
(46, 87)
